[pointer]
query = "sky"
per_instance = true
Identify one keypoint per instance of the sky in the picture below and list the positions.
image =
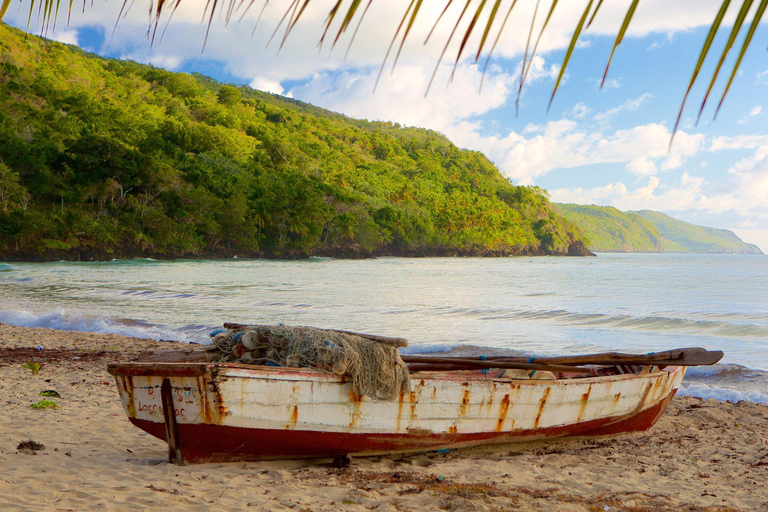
(607, 146)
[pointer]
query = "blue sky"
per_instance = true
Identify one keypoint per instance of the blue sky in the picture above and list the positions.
(606, 147)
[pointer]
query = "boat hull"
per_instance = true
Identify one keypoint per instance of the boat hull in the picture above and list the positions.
(233, 413)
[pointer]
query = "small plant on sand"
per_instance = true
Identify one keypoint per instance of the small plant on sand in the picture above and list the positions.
(50, 392)
(45, 404)
(30, 445)
(33, 367)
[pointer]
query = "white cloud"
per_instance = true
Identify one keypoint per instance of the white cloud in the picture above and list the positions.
(65, 36)
(267, 85)
(756, 111)
(401, 99)
(565, 144)
(643, 166)
(165, 61)
(597, 195)
(580, 111)
(738, 142)
(627, 106)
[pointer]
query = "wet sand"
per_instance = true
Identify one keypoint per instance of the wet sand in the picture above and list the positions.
(703, 455)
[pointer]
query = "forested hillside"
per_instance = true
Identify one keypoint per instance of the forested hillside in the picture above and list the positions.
(610, 230)
(607, 229)
(105, 159)
(698, 239)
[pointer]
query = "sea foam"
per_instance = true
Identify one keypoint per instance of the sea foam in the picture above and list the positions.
(60, 319)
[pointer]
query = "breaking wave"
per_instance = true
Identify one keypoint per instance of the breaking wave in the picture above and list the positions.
(60, 319)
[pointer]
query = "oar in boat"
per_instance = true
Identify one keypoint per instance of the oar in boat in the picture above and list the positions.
(459, 363)
(678, 357)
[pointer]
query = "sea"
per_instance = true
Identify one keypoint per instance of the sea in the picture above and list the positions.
(637, 303)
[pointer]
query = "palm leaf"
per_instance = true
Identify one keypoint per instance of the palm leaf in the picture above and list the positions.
(442, 13)
(728, 45)
(347, 20)
(568, 53)
(329, 19)
(450, 37)
(525, 59)
(359, 22)
(4, 8)
(466, 36)
(391, 44)
(620, 36)
(408, 30)
(747, 40)
(599, 4)
(702, 55)
(535, 46)
(488, 25)
(495, 42)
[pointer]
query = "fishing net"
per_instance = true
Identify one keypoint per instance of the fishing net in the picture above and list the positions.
(375, 369)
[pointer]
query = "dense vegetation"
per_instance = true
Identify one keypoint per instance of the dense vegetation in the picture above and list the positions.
(111, 159)
(607, 229)
(698, 239)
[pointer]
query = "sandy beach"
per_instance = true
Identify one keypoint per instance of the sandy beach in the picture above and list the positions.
(702, 455)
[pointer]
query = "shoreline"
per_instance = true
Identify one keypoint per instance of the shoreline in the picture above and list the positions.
(703, 455)
(576, 249)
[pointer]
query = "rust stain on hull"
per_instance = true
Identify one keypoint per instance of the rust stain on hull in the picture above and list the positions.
(503, 410)
(399, 409)
(584, 401)
(464, 404)
(542, 403)
(294, 417)
(357, 400)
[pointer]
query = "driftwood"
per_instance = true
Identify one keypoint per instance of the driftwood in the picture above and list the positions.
(385, 340)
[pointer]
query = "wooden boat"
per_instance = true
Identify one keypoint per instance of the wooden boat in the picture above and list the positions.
(216, 412)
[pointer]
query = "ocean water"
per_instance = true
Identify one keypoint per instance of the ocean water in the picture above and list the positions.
(544, 306)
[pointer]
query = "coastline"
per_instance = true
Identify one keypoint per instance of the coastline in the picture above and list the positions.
(576, 248)
(702, 455)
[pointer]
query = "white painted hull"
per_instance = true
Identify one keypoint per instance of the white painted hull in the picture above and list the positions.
(238, 412)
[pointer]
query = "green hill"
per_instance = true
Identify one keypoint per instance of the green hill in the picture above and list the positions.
(105, 158)
(607, 229)
(698, 239)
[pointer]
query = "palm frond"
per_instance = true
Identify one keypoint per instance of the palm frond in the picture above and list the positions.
(731, 39)
(620, 36)
(747, 41)
(571, 47)
(345, 11)
(702, 55)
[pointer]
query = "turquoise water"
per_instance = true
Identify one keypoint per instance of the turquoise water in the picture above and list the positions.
(628, 302)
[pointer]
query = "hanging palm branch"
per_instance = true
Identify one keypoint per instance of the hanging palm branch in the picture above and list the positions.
(347, 10)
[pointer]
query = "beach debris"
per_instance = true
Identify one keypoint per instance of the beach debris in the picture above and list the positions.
(50, 392)
(45, 404)
(32, 366)
(162, 489)
(38, 347)
(342, 461)
(30, 447)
